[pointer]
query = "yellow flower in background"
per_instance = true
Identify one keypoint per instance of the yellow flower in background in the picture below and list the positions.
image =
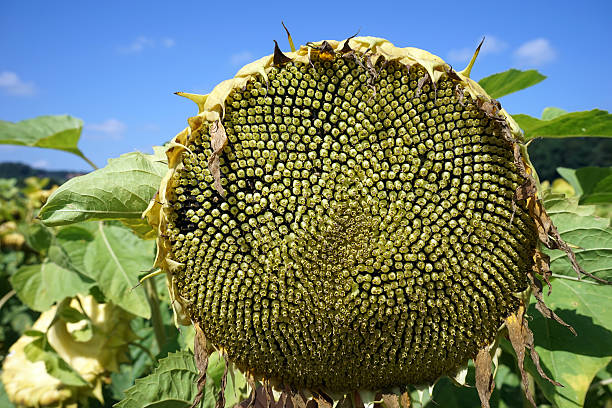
(93, 347)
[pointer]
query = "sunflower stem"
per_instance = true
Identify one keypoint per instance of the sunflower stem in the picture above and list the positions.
(156, 319)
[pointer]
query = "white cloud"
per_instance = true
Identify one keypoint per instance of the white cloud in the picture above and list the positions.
(151, 127)
(168, 42)
(491, 45)
(13, 85)
(39, 164)
(142, 42)
(535, 53)
(109, 129)
(241, 57)
(460, 54)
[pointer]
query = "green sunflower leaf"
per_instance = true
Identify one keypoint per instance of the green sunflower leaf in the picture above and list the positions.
(507, 82)
(120, 191)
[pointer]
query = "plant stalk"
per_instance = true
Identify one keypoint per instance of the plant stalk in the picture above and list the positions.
(158, 324)
(92, 164)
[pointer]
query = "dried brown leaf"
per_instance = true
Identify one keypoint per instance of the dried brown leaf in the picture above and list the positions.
(459, 95)
(550, 237)
(451, 73)
(405, 401)
(516, 325)
(201, 359)
(218, 140)
(484, 376)
(298, 400)
(490, 107)
(358, 402)
(221, 396)
(195, 122)
(253, 396)
(542, 266)
(391, 401)
(279, 58)
(346, 47)
(420, 84)
(311, 404)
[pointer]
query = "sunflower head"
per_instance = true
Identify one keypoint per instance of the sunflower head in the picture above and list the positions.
(351, 216)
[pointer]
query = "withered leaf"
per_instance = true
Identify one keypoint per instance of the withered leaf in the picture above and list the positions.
(490, 107)
(459, 94)
(358, 402)
(218, 140)
(251, 400)
(527, 189)
(269, 394)
(420, 84)
(221, 396)
(451, 73)
(195, 122)
(279, 58)
(201, 358)
(516, 324)
(484, 376)
(298, 400)
(405, 401)
(391, 400)
(346, 47)
(326, 51)
(550, 237)
(542, 266)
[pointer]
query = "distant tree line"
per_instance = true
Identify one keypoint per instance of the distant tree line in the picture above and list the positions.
(548, 154)
(21, 171)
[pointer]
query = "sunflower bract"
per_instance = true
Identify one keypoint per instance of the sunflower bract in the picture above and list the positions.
(367, 238)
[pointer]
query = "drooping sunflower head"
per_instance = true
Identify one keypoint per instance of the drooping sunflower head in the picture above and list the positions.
(349, 216)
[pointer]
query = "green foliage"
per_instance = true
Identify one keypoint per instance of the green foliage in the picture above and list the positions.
(53, 132)
(174, 381)
(573, 361)
(115, 258)
(174, 378)
(594, 123)
(120, 191)
(592, 184)
(590, 236)
(40, 286)
(507, 82)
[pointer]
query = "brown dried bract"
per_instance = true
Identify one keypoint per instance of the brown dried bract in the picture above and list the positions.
(484, 376)
(460, 95)
(490, 107)
(550, 237)
(516, 325)
(521, 337)
(391, 401)
(541, 266)
(279, 58)
(201, 358)
(218, 140)
(421, 84)
(326, 51)
(221, 396)
(451, 73)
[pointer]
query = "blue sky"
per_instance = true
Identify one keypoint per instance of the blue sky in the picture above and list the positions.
(116, 64)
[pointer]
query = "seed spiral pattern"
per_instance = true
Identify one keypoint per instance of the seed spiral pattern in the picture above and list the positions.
(368, 237)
